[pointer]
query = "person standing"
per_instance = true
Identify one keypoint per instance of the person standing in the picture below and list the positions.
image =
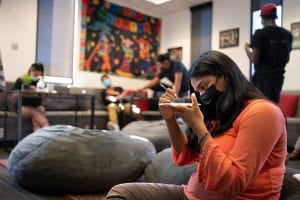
(269, 51)
(174, 71)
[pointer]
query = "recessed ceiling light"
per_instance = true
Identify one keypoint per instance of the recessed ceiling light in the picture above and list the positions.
(157, 2)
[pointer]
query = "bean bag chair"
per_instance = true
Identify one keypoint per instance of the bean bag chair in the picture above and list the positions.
(291, 187)
(70, 159)
(162, 170)
(155, 131)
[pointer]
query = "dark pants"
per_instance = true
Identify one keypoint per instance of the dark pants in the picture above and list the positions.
(146, 191)
(270, 85)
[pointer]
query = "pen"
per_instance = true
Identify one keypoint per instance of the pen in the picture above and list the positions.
(162, 85)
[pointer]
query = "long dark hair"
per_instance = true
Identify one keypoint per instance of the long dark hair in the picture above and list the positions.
(237, 91)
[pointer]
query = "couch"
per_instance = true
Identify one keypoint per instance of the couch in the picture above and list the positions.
(62, 111)
(290, 104)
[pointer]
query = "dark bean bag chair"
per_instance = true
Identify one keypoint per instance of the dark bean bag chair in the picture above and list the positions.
(70, 159)
(155, 131)
(291, 187)
(162, 170)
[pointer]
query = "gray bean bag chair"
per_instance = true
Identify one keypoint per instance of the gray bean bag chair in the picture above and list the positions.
(291, 187)
(70, 159)
(155, 131)
(162, 170)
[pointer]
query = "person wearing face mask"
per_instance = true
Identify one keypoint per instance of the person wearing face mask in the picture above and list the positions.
(236, 136)
(32, 105)
(111, 96)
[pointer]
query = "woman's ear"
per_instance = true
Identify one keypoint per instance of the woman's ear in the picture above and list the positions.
(222, 83)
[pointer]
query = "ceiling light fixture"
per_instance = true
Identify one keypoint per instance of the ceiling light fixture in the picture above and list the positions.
(158, 2)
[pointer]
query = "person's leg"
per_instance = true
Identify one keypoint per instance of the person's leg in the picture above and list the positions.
(277, 84)
(127, 108)
(37, 115)
(112, 110)
(133, 111)
(113, 122)
(39, 119)
(146, 191)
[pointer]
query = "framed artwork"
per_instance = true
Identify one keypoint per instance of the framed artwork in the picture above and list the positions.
(118, 40)
(295, 29)
(229, 38)
(175, 53)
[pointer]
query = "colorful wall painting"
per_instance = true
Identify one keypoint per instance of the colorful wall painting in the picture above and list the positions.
(118, 40)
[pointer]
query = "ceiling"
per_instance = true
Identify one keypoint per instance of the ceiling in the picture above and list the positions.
(158, 10)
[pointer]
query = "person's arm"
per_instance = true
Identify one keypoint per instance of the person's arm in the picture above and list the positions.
(111, 92)
(17, 86)
(151, 83)
(253, 54)
(181, 154)
(177, 82)
(125, 93)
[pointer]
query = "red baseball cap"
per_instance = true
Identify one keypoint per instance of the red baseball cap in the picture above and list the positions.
(268, 10)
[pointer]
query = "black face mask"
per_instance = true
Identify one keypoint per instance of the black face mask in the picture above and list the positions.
(209, 101)
(210, 96)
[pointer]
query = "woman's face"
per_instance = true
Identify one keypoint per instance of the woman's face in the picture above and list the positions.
(202, 83)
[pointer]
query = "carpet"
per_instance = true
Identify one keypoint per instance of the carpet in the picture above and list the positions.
(11, 191)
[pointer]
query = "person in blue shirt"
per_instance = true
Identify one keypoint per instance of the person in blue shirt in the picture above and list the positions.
(175, 71)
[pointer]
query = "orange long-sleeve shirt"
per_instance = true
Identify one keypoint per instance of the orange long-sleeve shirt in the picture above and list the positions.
(246, 162)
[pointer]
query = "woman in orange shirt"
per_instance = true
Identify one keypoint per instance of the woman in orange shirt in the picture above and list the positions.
(237, 137)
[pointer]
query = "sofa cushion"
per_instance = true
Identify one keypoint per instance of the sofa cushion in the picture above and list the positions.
(70, 159)
(156, 131)
(289, 104)
(162, 170)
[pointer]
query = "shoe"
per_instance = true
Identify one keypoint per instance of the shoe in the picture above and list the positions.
(294, 156)
(112, 127)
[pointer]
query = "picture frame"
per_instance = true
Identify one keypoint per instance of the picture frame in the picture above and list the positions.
(229, 38)
(175, 53)
(295, 30)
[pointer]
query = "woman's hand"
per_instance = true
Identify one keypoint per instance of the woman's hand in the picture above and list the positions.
(166, 110)
(192, 115)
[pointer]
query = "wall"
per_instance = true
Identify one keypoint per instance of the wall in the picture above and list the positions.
(19, 19)
(176, 32)
(230, 14)
(18, 22)
(291, 14)
(92, 79)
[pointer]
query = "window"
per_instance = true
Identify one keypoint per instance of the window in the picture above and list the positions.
(55, 33)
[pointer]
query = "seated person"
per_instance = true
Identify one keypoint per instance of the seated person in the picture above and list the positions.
(237, 138)
(112, 96)
(32, 105)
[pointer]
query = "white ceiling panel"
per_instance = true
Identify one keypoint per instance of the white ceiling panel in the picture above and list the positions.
(158, 10)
